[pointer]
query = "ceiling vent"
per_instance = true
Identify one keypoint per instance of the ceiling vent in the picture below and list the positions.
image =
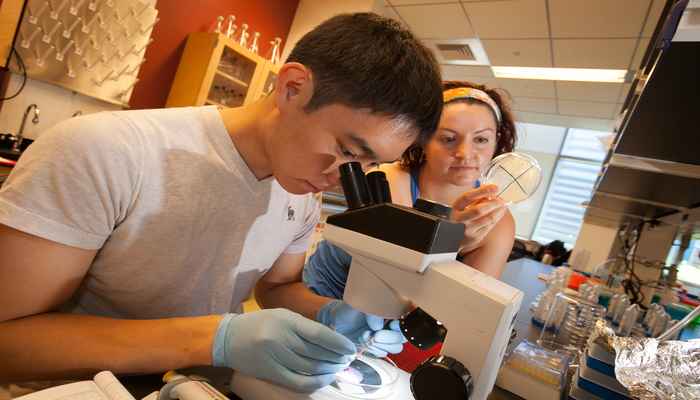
(452, 52)
(458, 51)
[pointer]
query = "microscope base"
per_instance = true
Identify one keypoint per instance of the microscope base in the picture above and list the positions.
(248, 388)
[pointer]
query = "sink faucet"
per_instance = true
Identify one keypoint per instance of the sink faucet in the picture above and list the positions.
(35, 120)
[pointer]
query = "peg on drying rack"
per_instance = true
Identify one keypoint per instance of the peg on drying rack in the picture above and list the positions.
(116, 77)
(74, 9)
(59, 56)
(47, 37)
(143, 31)
(34, 18)
(71, 72)
(40, 60)
(54, 13)
(79, 50)
(113, 40)
(86, 28)
(103, 22)
(143, 60)
(67, 32)
(130, 36)
(96, 45)
(129, 88)
(89, 67)
(93, 5)
(129, 11)
(99, 83)
(108, 59)
(138, 52)
(126, 53)
(26, 42)
(137, 15)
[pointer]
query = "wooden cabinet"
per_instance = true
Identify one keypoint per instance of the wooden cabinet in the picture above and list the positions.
(10, 11)
(216, 70)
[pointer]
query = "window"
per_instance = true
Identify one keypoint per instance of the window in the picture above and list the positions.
(572, 183)
(689, 267)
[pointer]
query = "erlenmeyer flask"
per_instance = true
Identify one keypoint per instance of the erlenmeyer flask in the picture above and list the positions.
(242, 37)
(218, 25)
(254, 44)
(273, 55)
(230, 27)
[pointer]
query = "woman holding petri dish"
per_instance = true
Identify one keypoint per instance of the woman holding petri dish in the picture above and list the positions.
(477, 124)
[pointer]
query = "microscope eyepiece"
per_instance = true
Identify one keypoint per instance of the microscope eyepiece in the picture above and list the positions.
(379, 187)
(354, 184)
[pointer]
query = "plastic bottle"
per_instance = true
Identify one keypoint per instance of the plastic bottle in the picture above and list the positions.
(629, 319)
(542, 311)
(620, 309)
(610, 312)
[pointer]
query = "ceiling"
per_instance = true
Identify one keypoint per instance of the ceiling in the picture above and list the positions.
(606, 34)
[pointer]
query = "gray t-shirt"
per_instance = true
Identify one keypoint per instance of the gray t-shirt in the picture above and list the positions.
(182, 225)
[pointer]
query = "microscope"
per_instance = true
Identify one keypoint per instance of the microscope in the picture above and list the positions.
(404, 256)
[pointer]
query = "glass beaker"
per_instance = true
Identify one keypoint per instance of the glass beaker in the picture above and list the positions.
(570, 322)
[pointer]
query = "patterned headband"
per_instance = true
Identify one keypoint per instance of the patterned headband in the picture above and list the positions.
(469, 93)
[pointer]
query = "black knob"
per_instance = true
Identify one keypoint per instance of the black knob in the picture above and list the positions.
(433, 208)
(422, 330)
(441, 378)
(354, 184)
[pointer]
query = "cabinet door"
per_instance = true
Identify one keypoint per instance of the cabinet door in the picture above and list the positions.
(266, 84)
(215, 70)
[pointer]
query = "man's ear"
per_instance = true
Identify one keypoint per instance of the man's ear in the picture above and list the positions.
(293, 86)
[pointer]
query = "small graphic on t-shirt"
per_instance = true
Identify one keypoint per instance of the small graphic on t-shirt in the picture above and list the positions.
(290, 214)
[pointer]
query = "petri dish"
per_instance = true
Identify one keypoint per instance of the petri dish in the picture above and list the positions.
(517, 175)
(368, 377)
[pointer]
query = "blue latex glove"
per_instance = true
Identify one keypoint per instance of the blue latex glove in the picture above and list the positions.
(281, 346)
(359, 327)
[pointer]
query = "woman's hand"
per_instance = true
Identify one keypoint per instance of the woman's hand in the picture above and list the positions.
(479, 213)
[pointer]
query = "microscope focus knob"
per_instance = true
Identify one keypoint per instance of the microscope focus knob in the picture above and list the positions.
(433, 208)
(441, 378)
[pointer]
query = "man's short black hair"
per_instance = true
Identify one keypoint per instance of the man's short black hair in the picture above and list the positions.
(367, 61)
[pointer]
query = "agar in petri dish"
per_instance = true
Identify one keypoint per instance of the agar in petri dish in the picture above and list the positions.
(367, 377)
(517, 176)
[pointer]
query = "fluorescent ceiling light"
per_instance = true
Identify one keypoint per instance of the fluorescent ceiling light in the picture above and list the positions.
(562, 74)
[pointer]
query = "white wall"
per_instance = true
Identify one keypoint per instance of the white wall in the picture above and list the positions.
(56, 104)
(312, 12)
(598, 239)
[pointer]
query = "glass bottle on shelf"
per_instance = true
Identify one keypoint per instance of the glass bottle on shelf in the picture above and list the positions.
(273, 55)
(230, 27)
(218, 25)
(243, 36)
(253, 48)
